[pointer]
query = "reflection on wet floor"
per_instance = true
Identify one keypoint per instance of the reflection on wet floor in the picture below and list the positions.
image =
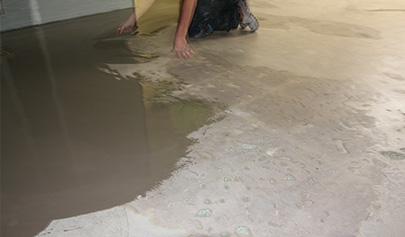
(75, 139)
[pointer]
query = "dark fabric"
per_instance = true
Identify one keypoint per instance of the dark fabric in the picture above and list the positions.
(220, 14)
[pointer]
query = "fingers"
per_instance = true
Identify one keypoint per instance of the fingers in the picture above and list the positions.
(122, 30)
(185, 53)
(192, 51)
(119, 31)
(125, 29)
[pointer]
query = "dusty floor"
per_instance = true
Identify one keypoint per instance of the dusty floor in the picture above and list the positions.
(309, 135)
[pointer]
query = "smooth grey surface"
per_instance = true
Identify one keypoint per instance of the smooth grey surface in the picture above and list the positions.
(77, 137)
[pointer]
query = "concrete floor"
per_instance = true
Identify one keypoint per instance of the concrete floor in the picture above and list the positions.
(309, 138)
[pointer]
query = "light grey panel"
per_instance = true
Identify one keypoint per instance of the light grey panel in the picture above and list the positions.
(16, 14)
(22, 13)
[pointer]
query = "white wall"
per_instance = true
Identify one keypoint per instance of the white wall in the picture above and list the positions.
(22, 13)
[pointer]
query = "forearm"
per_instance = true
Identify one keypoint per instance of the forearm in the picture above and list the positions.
(186, 16)
(132, 17)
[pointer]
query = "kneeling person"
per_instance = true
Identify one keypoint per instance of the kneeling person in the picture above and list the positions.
(199, 18)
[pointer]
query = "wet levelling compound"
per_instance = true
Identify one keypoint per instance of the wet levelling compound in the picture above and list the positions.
(76, 139)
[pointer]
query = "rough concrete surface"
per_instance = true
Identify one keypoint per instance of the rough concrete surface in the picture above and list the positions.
(309, 135)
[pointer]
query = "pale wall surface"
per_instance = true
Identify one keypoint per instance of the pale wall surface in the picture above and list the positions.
(22, 13)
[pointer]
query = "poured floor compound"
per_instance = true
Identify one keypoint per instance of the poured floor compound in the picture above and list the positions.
(76, 138)
(308, 135)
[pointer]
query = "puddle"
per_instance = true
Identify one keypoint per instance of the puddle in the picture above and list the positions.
(75, 139)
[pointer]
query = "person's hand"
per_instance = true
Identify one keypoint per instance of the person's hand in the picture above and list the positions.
(127, 26)
(182, 49)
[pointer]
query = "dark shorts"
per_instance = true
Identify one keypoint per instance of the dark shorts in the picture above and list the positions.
(214, 15)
